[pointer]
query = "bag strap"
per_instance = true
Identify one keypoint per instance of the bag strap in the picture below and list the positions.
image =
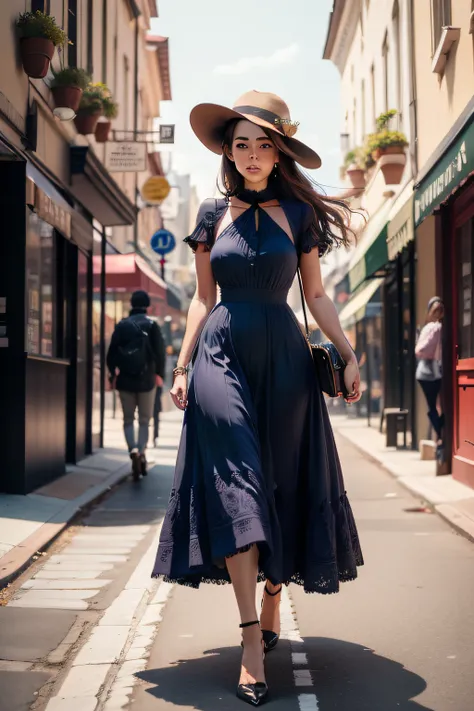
(303, 303)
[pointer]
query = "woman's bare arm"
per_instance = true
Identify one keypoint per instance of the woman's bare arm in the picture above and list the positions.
(203, 302)
(320, 305)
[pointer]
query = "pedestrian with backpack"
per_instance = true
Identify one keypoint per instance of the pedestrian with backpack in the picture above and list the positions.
(137, 352)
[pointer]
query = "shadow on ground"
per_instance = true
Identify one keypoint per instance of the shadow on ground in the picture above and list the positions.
(346, 676)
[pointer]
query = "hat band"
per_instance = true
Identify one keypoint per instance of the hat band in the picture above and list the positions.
(263, 114)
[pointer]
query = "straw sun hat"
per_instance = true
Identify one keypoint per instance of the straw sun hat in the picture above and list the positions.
(209, 121)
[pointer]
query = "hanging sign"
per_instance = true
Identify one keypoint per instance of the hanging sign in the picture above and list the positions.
(163, 242)
(125, 157)
(155, 190)
(166, 133)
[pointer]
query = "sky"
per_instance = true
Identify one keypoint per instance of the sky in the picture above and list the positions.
(219, 50)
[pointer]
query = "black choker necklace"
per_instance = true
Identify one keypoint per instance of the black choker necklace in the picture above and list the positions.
(255, 197)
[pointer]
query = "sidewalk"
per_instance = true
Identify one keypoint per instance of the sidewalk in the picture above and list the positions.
(29, 523)
(449, 498)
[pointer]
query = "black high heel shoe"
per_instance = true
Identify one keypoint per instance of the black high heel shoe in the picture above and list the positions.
(256, 693)
(270, 638)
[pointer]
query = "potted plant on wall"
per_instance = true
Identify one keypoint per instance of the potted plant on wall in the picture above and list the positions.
(39, 36)
(90, 109)
(388, 147)
(354, 168)
(110, 111)
(68, 86)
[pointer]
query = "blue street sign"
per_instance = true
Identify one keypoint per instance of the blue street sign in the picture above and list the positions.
(163, 242)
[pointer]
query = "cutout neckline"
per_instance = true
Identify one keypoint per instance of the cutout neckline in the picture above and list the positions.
(251, 209)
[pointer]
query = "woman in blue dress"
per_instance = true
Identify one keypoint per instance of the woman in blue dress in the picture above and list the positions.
(258, 492)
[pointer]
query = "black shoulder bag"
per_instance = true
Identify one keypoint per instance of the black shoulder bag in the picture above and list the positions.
(328, 362)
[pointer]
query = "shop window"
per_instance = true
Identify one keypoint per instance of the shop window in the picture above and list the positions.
(465, 240)
(40, 284)
(440, 17)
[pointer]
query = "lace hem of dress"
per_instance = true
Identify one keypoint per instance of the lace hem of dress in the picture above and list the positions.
(323, 577)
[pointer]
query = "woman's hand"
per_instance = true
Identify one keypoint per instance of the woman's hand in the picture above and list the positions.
(179, 391)
(352, 381)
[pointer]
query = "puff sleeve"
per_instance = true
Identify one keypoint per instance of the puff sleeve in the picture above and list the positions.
(309, 237)
(208, 215)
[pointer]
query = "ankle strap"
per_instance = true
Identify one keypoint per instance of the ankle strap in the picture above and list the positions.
(272, 594)
(249, 624)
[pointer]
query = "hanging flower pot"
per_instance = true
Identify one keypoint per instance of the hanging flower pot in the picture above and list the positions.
(102, 131)
(67, 88)
(36, 55)
(67, 96)
(39, 35)
(392, 166)
(388, 150)
(356, 176)
(86, 121)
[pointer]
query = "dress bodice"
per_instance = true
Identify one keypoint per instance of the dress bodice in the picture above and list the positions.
(246, 257)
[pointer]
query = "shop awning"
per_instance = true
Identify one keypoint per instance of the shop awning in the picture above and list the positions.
(95, 188)
(371, 253)
(129, 272)
(358, 306)
(401, 229)
(449, 172)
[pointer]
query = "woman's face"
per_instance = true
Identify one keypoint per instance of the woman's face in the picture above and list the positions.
(253, 153)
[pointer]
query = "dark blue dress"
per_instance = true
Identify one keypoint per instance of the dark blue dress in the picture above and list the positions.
(257, 461)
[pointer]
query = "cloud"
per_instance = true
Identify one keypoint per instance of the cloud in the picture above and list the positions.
(282, 56)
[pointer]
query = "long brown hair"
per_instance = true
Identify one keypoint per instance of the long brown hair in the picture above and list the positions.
(331, 220)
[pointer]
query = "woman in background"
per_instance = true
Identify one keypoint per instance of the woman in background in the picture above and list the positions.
(428, 371)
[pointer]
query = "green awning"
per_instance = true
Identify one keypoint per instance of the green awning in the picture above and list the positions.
(447, 174)
(371, 254)
(356, 308)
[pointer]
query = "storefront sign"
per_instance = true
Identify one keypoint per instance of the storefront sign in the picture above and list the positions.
(52, 213)
(456, 165)
(400, 230)
(125, 157)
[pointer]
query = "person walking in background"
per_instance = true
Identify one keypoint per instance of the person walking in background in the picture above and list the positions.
(428, 371)
(137, 352)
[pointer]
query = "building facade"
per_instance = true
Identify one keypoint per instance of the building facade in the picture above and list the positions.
(419, 237)
(63, 211)
(370, 43)
(444, 206)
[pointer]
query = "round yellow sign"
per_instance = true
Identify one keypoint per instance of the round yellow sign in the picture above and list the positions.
(155, 189)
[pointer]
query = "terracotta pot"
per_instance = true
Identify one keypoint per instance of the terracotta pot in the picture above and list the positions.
(389, 150)
(85, 122)
(392, 172)
(68, 96)
(102, 131)
(36, 55)
(356, 176)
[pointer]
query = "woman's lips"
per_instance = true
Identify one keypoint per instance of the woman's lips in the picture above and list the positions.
(253, 169)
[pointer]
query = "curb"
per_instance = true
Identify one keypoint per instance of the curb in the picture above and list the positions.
(21, 556)
(445, 511)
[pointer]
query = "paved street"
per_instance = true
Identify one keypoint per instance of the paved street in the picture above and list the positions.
(86, 628)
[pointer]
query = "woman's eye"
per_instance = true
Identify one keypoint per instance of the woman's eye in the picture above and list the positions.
(241, 145)
(267, 145)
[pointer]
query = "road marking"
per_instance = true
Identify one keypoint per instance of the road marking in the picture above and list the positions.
(299, 658)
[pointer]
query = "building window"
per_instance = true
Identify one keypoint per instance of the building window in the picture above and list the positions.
(354, 124)
(90, 37)
(41, 287)
(42, 5)
(440, 17)
(385, 63)
(372, 94)
(362, 99)
(72, 33)
(398, 59)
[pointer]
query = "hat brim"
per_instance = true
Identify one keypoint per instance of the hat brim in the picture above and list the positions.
(208, 122)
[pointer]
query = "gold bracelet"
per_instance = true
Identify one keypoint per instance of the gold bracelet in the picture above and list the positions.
(180, 370)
